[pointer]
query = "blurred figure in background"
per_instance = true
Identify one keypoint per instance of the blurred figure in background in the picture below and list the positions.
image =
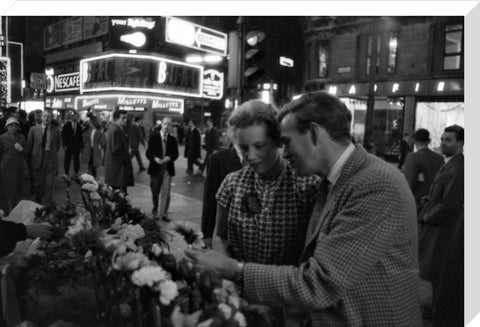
(118, 163)
(135, 138)
(421, 166)
(13, 152)
(94, 146)
(170, 146)
(211, 139)
(193, 147)
(44, 142)
(72, 139)
(404, 149)
(219, 165)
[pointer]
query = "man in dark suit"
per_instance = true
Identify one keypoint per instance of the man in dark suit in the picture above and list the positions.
(118, 165)
(219, 165)
(72, 140)
(44, 141)
(359, 263)
(441, 211)
(135, 138)
(156, 155)
(211, 139)
(193, 147)
(421, 166)
(171, 154)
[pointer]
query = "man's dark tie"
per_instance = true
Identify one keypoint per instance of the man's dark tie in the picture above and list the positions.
(44, 138)
(318, 207)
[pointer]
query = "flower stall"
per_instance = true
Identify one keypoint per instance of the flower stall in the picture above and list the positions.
(108, 264)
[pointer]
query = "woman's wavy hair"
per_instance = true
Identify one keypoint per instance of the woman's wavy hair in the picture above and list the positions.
(255, 112)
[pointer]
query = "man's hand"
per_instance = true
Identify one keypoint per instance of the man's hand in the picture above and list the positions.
(214, 261)
(18, 147)
(39, 230)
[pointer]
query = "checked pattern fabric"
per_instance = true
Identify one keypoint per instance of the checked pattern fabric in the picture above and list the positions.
(276, 234)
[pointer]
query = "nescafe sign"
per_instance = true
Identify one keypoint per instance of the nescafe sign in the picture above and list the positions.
(63, 82)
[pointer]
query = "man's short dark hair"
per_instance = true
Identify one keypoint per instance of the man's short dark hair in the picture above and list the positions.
(458, 130)
(117, 113)
(421, 135)
(324, 109)
(137, 119)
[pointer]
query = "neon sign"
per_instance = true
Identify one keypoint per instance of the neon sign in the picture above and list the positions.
(141, 73)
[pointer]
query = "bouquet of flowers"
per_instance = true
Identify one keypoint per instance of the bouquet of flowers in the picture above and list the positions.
(110, 265)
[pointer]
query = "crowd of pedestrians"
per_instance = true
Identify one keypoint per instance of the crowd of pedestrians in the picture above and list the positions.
(301, 218)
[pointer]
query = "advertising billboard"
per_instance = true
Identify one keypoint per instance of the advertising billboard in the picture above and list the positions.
(140, 73)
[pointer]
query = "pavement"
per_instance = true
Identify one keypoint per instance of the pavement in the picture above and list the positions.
(186, 191)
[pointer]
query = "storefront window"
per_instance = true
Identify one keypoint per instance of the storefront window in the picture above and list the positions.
(322, 60)
(358, 108)
(392, 52)
(453, 50)
(369, 54)
(387, 127)
(435, 116)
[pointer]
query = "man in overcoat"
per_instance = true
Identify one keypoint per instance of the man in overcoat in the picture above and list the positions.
(94, 146)
(444, 206)
(421, 166)
(118, 166)
(44, 141)
(359, 266)
(193, 147)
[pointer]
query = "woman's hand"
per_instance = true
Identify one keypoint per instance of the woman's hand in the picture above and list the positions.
(39, 230)
(212, 260)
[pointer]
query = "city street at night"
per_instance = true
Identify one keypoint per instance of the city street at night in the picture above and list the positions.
(333, 193)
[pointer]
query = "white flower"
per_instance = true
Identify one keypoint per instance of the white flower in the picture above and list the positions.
(225, 309)
(240, 318)
(94, 196)
(129, 261)
(90, 187)
(82, 223)
(168, 291)
(117, 224)
(234, 301)
(206, 323)
(156, 250)
(131, 232)
(87, 256)
(86, 178)
(148, 276)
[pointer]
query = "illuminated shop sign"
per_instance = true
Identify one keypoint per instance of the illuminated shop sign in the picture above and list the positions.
(60, 102)
(132, 33)
(5, 84)
(213, 82)
(147, 23)
(140, 73)
(129, 102)
(195, 36)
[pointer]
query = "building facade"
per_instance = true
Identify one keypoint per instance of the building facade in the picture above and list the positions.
(395, 74)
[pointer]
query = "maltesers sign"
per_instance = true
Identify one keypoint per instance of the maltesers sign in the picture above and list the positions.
(140, 73)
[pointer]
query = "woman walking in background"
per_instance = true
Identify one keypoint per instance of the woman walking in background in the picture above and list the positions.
(13, 152)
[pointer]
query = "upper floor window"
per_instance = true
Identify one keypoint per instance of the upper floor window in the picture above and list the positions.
(322, 60)
(392, 52)
(453, 50)
(369, 54)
